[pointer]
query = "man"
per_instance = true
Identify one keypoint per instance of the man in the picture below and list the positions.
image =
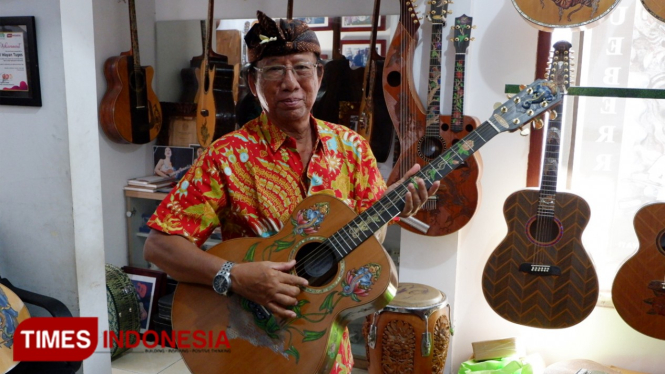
(249, 181)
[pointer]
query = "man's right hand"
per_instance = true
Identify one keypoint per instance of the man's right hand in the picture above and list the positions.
(269, 284)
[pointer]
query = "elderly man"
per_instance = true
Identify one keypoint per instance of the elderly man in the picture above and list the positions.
(249, 181)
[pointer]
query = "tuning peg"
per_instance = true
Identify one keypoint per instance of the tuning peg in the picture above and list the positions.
(473, 27)
(449, 11)
(472, 39)
(538, 123)
(525, 130)
(553, 114)
(497, 104)
(452, 39)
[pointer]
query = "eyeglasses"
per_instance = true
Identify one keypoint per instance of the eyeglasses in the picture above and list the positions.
(303, 69)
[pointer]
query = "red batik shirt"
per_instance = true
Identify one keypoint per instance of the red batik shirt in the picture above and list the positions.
(250, 181)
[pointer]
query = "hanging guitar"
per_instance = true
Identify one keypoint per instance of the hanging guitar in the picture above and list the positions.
(547, 15)
(130, 111)
(350, 275)
(370, 117)
(638, 292)
(540, 275)
(215, 108)
(421, 137)
(656, 8)
(12, 313)
(459, 194)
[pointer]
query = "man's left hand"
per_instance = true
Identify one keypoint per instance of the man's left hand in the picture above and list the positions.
(418, 193)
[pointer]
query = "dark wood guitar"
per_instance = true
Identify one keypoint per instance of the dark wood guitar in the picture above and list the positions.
(547, 15)
(540, 275)
(130, 111)
(215, 108)
(370, 117)
(350, 275)
(459, 195)
(638, 291)
(656, 8)
(422, 136)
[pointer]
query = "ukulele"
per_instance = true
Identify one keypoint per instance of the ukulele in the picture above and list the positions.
(370, 117)
(12, 313)
(215, 108)
(540, 275)
(638, 291)
(349, 273)
(547, 15)
(656, 8)
(130, 111)
(422, 137)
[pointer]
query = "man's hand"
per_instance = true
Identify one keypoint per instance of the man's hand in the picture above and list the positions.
(417, 195)
(268, 284)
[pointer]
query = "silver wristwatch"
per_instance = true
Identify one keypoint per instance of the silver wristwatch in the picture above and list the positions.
(222, 281)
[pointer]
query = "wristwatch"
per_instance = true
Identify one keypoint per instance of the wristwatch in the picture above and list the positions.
(222, 281)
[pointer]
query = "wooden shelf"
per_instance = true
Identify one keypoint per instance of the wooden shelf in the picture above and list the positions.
(146, 195)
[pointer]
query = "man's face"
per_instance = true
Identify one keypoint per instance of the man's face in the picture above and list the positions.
(291, 99)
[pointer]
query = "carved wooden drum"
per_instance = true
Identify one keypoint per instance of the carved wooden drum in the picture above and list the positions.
(411, 334)
(123, 306)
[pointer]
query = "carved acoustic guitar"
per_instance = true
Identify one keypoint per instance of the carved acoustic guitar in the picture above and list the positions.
(549, 14)
(349, 273)
(638, 291)
(656, 8)
(540, 275)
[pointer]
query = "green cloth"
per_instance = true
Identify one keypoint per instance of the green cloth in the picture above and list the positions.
(508, 365)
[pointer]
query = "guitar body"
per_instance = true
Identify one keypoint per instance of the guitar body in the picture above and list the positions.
(222, 88)
(206, 111)
(549, 14)
(656, 8)
(637, 292)
(129, 112)
(546, 301)
(259, 343)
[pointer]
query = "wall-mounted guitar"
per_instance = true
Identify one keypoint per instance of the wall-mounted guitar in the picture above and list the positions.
(549, 14)
(130, 111)
(656, 8)
(638, 291)
(370, 117)
(540, 275)
(332, 254)
(215, 108)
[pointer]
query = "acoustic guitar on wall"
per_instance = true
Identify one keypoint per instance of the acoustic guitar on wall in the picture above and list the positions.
(540, 275)
(638, 292)
(547, 15)
(656, 8)
(350, 275)
(130, 111)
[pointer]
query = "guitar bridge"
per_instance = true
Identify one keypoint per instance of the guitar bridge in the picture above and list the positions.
(540, 269)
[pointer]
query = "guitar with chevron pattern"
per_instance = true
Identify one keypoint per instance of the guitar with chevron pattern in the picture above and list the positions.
(540, 275)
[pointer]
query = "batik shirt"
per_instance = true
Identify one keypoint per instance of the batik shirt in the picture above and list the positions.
(250, 181)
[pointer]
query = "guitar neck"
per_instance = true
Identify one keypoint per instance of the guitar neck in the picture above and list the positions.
(392, 203)
(434, 87)
(134, 35)
(457, 113)
(207, 49)
(371, 55)
(548, 179)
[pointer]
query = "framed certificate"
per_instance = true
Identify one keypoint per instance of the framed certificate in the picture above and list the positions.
(19, 68)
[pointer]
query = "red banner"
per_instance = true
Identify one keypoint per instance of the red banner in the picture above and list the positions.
(55, 339)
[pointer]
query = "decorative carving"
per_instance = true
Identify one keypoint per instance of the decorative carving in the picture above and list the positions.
(441, 341)
(399, 348)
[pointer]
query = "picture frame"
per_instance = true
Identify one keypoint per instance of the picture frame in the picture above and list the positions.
(174, 164)
(19, 66)
(351, 48)
(361, 23)
(317, 23)
(150, 285)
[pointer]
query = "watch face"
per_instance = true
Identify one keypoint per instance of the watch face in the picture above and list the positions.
(221, 284)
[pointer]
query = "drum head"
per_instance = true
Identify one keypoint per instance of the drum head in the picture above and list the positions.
(415, 295)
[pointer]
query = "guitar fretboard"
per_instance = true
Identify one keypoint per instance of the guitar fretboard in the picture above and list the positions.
(434, 87)
(457, 114)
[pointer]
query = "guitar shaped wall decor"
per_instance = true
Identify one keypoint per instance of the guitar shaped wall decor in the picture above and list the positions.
(547, 15)
(350, 275)
(420, 137)
(638, 292)
(130, 111)
(540, 275)
(215, 108)
(656, 8)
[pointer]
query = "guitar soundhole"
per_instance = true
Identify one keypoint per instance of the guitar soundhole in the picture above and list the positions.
(544, 230)
(468, 127)
(316, 263)
(660, 244)
(394, 79)
(137, 80)
(429, 147)
(445, 127)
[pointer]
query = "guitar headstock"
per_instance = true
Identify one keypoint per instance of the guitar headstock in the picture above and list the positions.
(560, 70)
(462, 33)
(532, 101)
(408, 16)
(438, 11)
